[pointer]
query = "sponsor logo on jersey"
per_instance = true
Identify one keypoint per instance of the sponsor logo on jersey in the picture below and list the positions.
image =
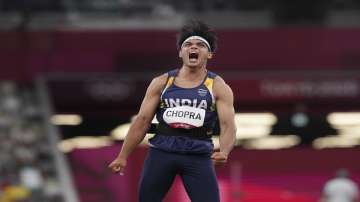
(202, 92)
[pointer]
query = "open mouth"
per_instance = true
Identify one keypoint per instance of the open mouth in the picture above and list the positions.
(193, 56)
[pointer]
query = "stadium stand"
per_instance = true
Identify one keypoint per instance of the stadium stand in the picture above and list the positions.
(28, 169)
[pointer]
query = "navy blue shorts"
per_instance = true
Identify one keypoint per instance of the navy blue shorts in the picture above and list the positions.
(196, 171)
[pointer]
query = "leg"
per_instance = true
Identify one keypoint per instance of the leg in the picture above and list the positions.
(199, 178)
(158, 174)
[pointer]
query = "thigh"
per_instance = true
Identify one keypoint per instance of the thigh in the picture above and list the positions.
(157, 176)
(199, 178)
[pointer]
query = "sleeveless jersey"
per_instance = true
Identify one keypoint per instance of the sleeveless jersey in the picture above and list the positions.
(185, 109)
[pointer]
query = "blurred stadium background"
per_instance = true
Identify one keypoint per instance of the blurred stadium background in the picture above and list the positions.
(73, 73)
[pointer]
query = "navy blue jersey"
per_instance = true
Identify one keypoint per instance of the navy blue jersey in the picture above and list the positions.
(186, 108)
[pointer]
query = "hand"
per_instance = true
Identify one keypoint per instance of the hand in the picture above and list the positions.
(118, 165)
(219, 158)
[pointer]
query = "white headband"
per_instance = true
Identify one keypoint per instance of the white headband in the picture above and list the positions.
(199, 38)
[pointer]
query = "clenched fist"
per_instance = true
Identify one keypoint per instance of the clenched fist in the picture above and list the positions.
(118, 165)
(219, 158)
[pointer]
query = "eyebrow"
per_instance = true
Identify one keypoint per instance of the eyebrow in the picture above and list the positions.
(197, 43)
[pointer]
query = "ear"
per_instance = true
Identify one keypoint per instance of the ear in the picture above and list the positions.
(210, 55)
(180, 55)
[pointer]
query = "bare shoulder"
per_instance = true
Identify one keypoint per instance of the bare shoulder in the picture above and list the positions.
(221, 88)
(157, 84)
(160, 79)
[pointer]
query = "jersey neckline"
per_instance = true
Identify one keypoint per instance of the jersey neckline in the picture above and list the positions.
(198, 86)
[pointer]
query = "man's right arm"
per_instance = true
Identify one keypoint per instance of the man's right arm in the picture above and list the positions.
(141, 123)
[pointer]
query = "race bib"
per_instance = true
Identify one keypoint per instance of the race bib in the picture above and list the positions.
(184, 117)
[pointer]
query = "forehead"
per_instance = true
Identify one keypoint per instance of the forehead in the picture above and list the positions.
(197, 40)
(193, 41)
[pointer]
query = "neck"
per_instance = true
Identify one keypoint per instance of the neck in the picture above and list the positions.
(192, 73)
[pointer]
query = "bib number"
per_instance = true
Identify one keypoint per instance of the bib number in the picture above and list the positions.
(184, 117)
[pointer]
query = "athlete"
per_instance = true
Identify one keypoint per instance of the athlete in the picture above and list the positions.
(188, 102)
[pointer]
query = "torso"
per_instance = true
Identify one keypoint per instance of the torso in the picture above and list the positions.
(186, 104)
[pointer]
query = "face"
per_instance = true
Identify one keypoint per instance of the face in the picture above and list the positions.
(194, 53)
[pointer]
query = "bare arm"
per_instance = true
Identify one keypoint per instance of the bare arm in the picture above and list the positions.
(141, 123)
(225, 108)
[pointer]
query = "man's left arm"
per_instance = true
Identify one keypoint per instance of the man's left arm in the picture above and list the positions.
(226, 113)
